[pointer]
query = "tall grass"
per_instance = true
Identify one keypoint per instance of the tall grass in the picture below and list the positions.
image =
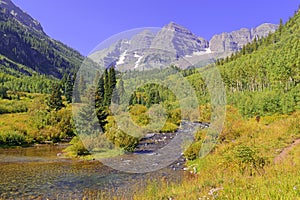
(219, 175)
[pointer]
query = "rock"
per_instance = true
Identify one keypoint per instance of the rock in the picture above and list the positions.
(174, 43)
(235, 40)
(179, 40)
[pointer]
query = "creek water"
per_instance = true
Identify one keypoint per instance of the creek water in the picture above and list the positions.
(38, 173)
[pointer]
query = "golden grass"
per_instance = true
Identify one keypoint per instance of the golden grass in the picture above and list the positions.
(219, 177)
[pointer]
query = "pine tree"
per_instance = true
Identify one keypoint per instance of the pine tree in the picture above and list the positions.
(55, 100)
(111, 83)
(81, 85)
(76, 94)
(106, 88)
(3, 92)
(68, 88)
(86, 120)
(100, 92)
(280, 27)
(102, 114)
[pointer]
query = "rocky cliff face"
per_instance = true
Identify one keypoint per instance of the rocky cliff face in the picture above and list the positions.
(175, 44)
(234, 41)
(179, 40)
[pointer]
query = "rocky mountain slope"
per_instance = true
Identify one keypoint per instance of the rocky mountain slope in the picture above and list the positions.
(23, 41)
(235, 40)
(174, 44)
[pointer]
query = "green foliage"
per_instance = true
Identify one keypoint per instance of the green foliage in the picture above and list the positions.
(192, 152)
(248, 159)
(169, 128)
(118, 137)
(35, 49)
(77, 148)
(55, 100)
(13, 106)
(3, 92)
(12, 138)
(100, 92)
(106, 89)
(86, 120)
(139, 115)
(32, 120)
(68, 88)
(263, 78)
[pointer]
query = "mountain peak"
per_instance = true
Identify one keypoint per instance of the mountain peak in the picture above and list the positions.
(10, 10)
(174, 26)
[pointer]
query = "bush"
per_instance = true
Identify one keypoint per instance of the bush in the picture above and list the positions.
(77, 148)
(248, 159)
(12, 138)
(169, 128)
(12, 106)
(192, 152)
(118, 137)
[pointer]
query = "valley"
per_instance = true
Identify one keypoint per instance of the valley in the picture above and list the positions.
(151, 113)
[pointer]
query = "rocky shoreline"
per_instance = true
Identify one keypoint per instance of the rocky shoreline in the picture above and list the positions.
(155, 141)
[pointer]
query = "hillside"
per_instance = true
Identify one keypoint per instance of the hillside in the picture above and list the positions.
(263, 78)
(24, 42)
(255, 157)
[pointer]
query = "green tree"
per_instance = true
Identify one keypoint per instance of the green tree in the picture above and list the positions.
(100, 93)
(280, 27)
(68, 88)
(55, 100)
(81, 85)
(3, 92)
(106, 88)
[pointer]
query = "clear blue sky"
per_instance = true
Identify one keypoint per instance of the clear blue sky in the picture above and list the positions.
(83, 24)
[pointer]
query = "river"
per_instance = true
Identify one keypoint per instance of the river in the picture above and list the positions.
(38, 173)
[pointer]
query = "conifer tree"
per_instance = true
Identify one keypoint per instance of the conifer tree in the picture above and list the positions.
(106, 88)
(68, 89)
(3, 92)
(55, 100)
(100, 92)
(280, 27)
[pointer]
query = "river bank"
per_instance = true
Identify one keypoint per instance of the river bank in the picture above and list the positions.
(40, 172)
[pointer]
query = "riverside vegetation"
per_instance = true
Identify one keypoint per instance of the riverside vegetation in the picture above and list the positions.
(260, 80)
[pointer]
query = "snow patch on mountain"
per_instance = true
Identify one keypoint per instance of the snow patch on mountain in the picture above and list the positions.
(199, 53)
(137, 63)
(122, 58)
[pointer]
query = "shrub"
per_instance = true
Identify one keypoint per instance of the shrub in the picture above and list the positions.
(77, 148)
(12, 138)
(168, 128)
(192, 152)
(118, 137)
(248, 159)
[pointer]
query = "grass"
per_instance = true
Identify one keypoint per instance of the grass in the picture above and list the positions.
(26, 120)
(221, 172)
(219, 175)
(223, 175)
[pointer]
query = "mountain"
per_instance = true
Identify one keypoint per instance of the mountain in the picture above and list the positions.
(235, 40)
(174, 44)
(11, 9)
(24, 42)
(179, 40)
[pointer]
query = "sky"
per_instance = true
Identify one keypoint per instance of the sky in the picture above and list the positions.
(83, 24)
